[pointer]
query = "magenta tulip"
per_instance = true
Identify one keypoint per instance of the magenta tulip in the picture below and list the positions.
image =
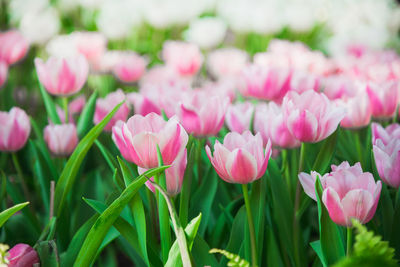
(61, 139)
(22, 255)
(348, 192)
(3, 73)
(13, 46)
(185, 58)
(311, 116)
(270, 123)
(241, 158)
(238, 117)
(137, 139)
(384, 98)
(15, 129)
(107, 104)
(63, 76)
(130, 67)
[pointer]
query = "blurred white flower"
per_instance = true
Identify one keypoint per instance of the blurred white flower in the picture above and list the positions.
(39, 27)
(301, 15)
(19, 8)
(227, 62)
(206, 32)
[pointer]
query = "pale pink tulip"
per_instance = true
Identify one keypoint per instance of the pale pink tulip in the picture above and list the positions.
(227, 62)
(13, 46)
(173, 175)
(265, 83)
(22, 255)
(130, 67)
(202, 114)
(270, 123)
(339, 86)
(311, 116)
(241, 158)
(63, 76)
(386, 147)
(164, 76)
(384, 98)
(238, 117)
(14, 130)
(348, 192)
(358, 110)
(74, 107)
(3, 73)
(137, 139)
(105, 105)
(303, 81)
(185, 58)
(142, 104)
(61, 139)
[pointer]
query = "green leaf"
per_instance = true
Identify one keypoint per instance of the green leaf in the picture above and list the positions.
(48, 255)
(234, 260)
(3, 186)
(174, 256)
(331, 241)
(85, 120)
(140, 222)
(201, 255)
(316, 246)
(326, 153)
(108, 217)
(70, 170)
(49, 105)
(6, 214)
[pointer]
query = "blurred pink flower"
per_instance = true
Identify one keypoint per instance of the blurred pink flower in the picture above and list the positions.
(348, 192)
(3, 73)
(338, 86)
(384, 98)
(15, 129)
(311, 116)
(142, 104)
(238, 117)
(386, 148)
(61, 139)
(303, 81)
(265, 83)
(62, 76)
(130, 67)
(13, 46)
(173, 175)
(108, 103)
(22, 255)
(137, 139)
(202, 114)
(185, 58)
(164, 76)
(74, 107)
(241, 158)
(269, 122)
(227, 62)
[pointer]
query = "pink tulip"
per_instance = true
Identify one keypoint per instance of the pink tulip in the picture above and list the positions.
(339, 86)
(238, 117)
(22, 255)
(241, 158)
(311, 116)
(202, 114)
(15, 129)
(217, 62)
(173, 175)
(270, 123)
(74, 107)
(137, 139)
(142, 104)
(13, 46)
(185, 58)
(303, 81)
(164, 76)
(3, 73)
(265, 83)
(61, 139)
(105, 105)
(384, 98)
(386, 147)
(63, 76)
(130, 67)
(90, 44)
(348, 192)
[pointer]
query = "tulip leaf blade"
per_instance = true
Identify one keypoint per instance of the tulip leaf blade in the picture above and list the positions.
(325, 154)
(49, 105)
(6, 214)
(86, 118)
(48, 253)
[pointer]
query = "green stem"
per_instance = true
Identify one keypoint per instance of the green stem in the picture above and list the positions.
(21, 176)
(349, 240)
(187, 183)
(358, 147)
(65, 105)
(251, 226)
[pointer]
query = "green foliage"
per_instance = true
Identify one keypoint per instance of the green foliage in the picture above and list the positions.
(6, 214)
(234, 260)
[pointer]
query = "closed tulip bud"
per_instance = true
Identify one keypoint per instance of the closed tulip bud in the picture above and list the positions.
(61, 139)
(348, 192)
(137, 139)
(14, 130)
(238, 117)
(358, 110)
(62, 76)
(13, 47)
(185, 58)
(3, 73)
(142, 104)
(105, 105)
(384, 98)
(130, 67)
(311, 116)
(22, 255)
(241, 158)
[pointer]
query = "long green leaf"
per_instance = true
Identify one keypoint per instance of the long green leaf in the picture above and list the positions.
(49, 105)
(325, 154)
(70, 170)
(6, 214)
(85, 120)
(108, 217)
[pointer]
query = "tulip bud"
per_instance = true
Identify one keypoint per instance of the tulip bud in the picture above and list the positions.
(61, 138)
(15, 129)
(22, 255)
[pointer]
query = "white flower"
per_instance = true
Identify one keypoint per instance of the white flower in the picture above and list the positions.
(19, 8)
(206, 32)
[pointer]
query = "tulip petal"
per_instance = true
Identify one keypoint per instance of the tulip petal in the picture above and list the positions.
(357, 204)
(333, 205)
(241, 166)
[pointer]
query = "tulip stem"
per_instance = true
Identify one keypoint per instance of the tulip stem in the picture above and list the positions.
(251, 226)
(349, 240)
(358, 147)
(65, 105)
(20, 176)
